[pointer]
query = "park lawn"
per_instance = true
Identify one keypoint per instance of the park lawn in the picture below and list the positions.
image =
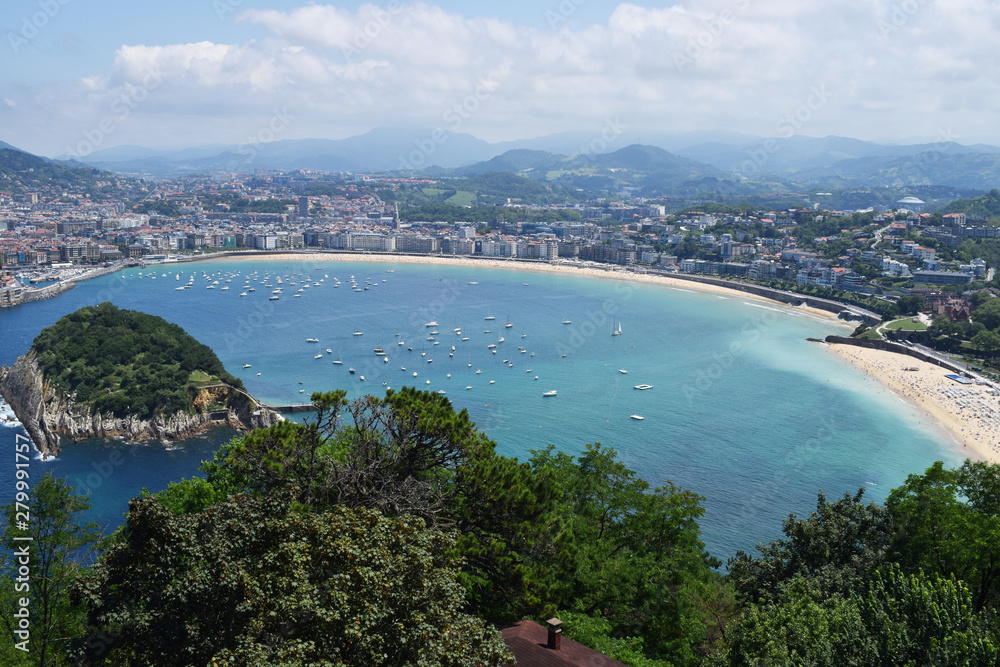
(906, 324)
(432, 192)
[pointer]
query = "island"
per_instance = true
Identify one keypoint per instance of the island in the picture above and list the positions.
(104, 372)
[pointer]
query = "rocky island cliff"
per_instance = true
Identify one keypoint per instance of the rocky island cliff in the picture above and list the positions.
(104, 372)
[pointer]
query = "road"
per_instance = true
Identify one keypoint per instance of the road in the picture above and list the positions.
(879, 233)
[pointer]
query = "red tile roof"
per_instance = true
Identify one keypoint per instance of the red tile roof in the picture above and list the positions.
(528, 641)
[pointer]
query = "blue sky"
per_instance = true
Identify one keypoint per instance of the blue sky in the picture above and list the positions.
(84, 75)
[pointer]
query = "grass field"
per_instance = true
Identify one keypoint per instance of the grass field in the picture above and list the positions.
(871, 334)
(202, 379)
(461, 198)
(906, 324)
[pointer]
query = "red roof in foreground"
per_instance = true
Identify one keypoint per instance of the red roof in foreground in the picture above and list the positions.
(527, 640)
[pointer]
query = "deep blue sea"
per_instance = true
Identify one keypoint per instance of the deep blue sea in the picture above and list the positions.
(743, 409)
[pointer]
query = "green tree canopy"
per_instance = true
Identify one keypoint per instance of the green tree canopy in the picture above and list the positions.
(898, 619)
(124, 362)
(832, 551)
(250, 581)
(988, 313)
(61, 546)
(948, 523)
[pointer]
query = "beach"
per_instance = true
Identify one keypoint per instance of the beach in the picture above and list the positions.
(968, 412)
(605, 271)
(964, 413)
(741, 402)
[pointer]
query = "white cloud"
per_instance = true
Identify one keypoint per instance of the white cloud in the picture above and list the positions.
(895, 68)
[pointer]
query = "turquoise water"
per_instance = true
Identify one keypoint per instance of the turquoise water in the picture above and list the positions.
(743, 409)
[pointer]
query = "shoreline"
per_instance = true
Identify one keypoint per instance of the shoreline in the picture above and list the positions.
(966, 413)
(612, 272)
(948, 406)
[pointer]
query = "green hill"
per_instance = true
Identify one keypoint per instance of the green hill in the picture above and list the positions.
(126, 362)
(23, 172)
(986, 206)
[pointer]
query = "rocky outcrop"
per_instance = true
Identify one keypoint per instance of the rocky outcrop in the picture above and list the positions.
(49, 414)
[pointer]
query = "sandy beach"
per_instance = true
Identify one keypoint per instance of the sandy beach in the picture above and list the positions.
(967, 411)
(612, 272)
(967, 414)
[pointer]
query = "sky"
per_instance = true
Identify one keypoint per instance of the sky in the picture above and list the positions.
(86, 75)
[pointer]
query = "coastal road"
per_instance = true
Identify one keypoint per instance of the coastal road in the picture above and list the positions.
(940, 357)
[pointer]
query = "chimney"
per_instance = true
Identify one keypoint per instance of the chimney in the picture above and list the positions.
(555, 633)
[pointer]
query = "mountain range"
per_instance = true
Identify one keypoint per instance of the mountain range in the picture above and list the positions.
(735, 159)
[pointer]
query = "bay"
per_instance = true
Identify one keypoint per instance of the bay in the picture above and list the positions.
(743, 409)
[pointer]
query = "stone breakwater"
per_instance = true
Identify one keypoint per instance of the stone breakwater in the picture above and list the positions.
(48, 414)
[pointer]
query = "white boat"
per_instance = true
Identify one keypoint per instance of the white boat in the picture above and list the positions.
(273, 298)
(643, 387)
(318, 356)
(312, 340)
(509, 323)
(549, 393)
(618, 331)
(246, 365)
(338, 362)
(566, 320)
(431, 324)
(361, 377)
(623, 371)
(359, 333)
(489, 317)
(241, 294)
(637, 417)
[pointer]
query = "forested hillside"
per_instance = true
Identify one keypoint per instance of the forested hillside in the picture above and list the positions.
(126, 362)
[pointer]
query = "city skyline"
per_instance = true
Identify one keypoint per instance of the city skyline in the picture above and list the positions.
(84, 77)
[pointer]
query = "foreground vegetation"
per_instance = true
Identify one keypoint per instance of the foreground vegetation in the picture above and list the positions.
(388, 531)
